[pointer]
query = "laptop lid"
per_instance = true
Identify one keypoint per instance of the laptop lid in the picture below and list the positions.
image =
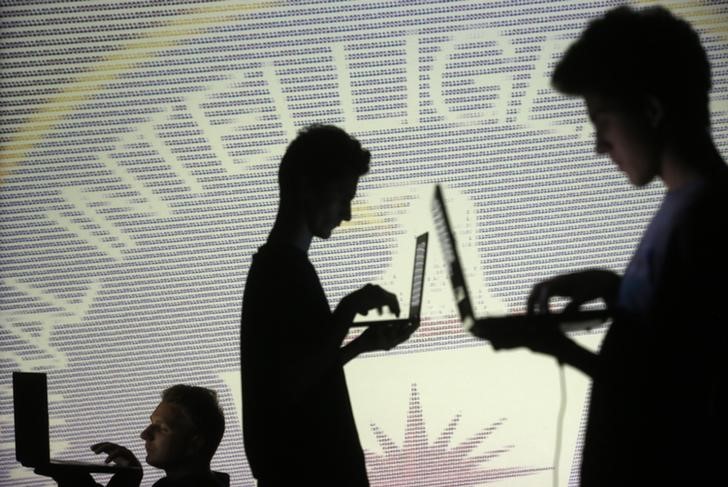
(416, 289)
(32, 432)
(452, 260)
(497, 325)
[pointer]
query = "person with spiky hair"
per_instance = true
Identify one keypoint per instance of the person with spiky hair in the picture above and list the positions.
(658, 405)
(298, 425)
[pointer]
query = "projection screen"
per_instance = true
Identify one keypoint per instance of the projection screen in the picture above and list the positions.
(140, 144)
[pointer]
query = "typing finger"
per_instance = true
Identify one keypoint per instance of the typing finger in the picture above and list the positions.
(533, 298)
(543, 300)
(391, 302)
(114, 454)
(103, 447)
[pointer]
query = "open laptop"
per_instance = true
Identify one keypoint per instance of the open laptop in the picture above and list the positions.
(418, 283)
(499, 326)
(32, 436)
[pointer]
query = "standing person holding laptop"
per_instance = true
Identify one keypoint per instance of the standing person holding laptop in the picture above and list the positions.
(298, 424)
(658, 406)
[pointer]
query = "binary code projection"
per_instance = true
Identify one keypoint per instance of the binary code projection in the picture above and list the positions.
(140, 143)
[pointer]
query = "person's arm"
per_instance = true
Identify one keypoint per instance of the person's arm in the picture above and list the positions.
(307, 364)
(578, 287)
(117, 454)
(66, 478)
(352, 350)
(375, 339)
(571, 353)
(121, 456)
(549, 340)
(302, 366)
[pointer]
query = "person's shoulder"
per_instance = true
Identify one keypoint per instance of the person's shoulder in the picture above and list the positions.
(276, 253)
(274, 260)
(276, 271)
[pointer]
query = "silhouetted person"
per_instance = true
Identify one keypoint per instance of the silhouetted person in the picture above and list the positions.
(184, 432)
(298, 425)
(657, 412)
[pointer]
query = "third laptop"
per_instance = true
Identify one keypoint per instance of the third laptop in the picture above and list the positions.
(496, 325)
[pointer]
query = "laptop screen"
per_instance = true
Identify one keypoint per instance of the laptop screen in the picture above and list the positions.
(418, 278)
(416, 290)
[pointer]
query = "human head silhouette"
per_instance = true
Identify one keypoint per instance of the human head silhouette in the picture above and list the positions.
(318, 176)
(631, 54)
(645, 78)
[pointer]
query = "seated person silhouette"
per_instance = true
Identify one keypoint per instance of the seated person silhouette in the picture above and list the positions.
(298, 425)
(184, 433)
(658, 406)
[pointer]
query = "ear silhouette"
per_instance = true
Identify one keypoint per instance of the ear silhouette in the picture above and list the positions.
(196, 445)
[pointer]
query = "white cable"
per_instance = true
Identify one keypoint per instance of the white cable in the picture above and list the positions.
(559, 423)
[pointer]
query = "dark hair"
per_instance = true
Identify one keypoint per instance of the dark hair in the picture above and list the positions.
(320, 154)
(201, 407)
(628, 54)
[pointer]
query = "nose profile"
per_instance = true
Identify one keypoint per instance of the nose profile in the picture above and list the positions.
(146, 433)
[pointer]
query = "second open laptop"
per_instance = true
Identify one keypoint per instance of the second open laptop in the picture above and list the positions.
(496, 325)
(32, 435)
(418, 283)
